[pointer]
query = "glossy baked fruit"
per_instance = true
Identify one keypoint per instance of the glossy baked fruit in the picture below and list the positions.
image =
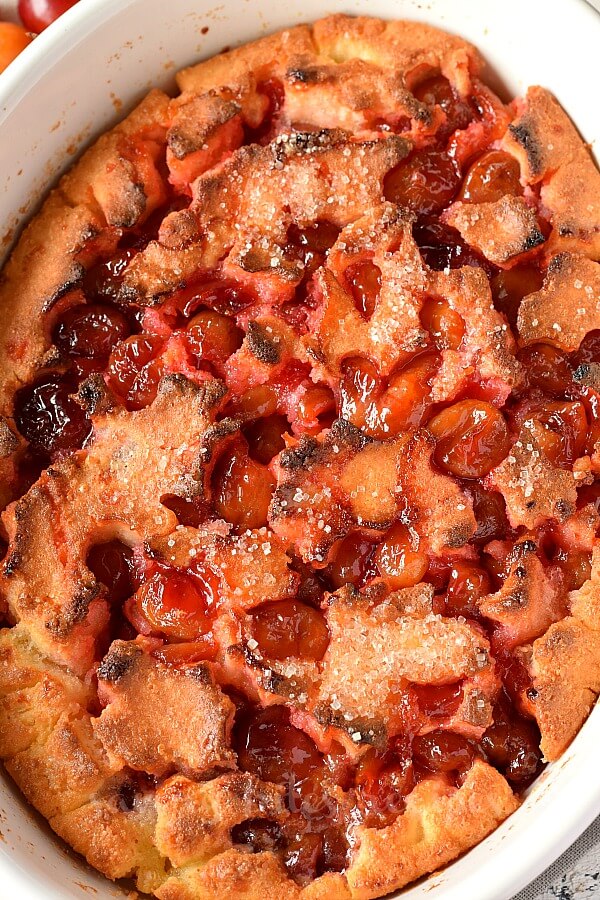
(299, 443)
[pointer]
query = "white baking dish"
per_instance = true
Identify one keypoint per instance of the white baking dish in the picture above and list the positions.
(73, 82)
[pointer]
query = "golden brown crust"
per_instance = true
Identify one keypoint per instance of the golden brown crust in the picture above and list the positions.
(158, 718)
(112, 489)
(195, 819)
(500, 230)
(552, 153)
(438, 825)
(140, 775)
(528, 600)
(534, 489)
(566, 308)
(565, 668)
(442, 514)
(114, 839)
(361, 684)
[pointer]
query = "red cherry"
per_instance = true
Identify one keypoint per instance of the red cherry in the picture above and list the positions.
(38, 14)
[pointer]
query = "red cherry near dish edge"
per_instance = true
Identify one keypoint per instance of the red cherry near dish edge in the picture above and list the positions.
(38, 14)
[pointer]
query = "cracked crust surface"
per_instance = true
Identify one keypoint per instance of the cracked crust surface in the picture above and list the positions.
(139, 775)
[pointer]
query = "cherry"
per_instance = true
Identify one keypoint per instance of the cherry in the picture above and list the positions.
(202, 648)
(443, 248)
(258, 401)
(589, 350)
(268, 746)
(13, 39)
(399, 560)
(438, 701)
(36, 15)
(490, 512)
(492, 176)
(272, 89)
(589, 494)
(213, 337)
(112, 564)
(512, 744)
(471, 438)
(265, 437)
(511, 285)
(443, 751)
(48, 417)
(382, 413)
(383, 781)
(311, 243)
(134, 371)
(546, 368)
(90, 331)
(425, 183)
(364, 279)
(178, 604)
(445, 325)
(258, 835)
(437, 91)
(242, 488)
(350, 564)
(103, 281)
(224, 296)
(289, 628)
(468, 583)
(316, 409)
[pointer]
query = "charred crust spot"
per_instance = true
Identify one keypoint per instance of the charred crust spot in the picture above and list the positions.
(210, 394)
(200, 673)
(215, 434)
(344, 432)
(117, 663)
(371, 732)
(93, 395)
(75, 275)
(458, 536)
(524, 136)
(76, 611)
(564, 509)
(299, 457)
(261, 345)
(533, 239)
(305, 75)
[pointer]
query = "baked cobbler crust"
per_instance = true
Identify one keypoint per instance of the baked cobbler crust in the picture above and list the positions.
(299, 429)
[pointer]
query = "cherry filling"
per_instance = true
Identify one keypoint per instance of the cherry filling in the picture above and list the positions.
(471, 438)
(49, 417)
(380, 410)
(90, 332)
(437, 91)
(494, 175)
(242, 488)
(364, 279)
(200, 327)
(312, 840)
(113, 565)
(290, 629)
(442, 247)
(425, 183)
(178, 605)
(134, 370)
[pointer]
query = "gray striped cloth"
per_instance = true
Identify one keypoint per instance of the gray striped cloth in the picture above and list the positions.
(574, 876)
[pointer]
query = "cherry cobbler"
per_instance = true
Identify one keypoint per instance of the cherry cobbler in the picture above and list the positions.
(300, 455)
